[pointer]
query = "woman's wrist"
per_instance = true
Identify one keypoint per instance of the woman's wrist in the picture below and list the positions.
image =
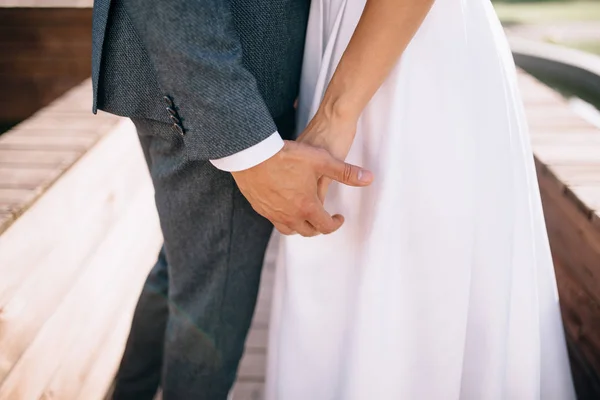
(339, 109)
(332, 124)
(332, 133)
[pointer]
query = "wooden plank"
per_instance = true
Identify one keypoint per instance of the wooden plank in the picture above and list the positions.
(62, 353)
(556, 123)
(248, 391)
(5, 218)
(8, 209)
(262, 313)
(53, 120)
(558, 111)
(252, 367)
(589, 195)
(43, 26)
(59, 132)
(581, 315)
(34, 169)
(67, 107)
(27, 178)
(572, 136)
(47, 3)
(28, 142)
(12, 202)
(16, 196)
(35, 47)
(575, 245)
(558, 153)
(44, 20)
(35, 158)
(77, 99)
(49, 65)
(257, 339)
(578, 174)
(535, 98)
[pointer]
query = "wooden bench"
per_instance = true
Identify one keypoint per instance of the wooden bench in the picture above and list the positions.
(567, 152)
(80, 233)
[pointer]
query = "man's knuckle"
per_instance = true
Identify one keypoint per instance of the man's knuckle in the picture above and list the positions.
(308, 232)
(284, 153)
(320, 158)
(284, 229)
(288, 220)
(302, 211)
(303, 206)
(310, 208)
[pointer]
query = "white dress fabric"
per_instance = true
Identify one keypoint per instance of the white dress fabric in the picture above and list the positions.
(440, 284)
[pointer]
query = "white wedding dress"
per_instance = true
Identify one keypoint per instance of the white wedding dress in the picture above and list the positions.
(440, 285)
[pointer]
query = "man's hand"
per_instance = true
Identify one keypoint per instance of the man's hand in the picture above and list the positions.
(283, 189)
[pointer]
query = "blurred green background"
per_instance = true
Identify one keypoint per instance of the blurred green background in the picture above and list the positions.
(570, 23)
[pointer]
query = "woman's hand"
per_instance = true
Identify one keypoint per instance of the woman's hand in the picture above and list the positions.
(332, 133)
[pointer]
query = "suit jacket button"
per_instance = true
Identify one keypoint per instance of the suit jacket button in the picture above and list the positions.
(169, 101)
(179, 129)
(172, 111)
(175, 119)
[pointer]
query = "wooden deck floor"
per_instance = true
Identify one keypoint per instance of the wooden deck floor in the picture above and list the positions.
(72, 260)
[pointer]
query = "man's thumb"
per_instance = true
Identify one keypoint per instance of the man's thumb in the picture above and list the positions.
(347, 174)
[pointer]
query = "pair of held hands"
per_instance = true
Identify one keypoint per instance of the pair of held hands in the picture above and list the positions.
(289, 188)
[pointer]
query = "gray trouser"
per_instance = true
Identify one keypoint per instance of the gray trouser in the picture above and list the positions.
(191, 320)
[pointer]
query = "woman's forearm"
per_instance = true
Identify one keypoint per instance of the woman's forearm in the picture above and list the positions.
(381, 36)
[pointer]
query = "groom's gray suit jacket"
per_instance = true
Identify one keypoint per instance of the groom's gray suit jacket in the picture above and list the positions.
(227, 66)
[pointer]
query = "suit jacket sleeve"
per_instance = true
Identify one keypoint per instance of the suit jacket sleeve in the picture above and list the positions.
(195, 50)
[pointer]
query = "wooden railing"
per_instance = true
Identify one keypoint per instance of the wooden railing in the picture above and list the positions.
(47, 3)
(44, 53)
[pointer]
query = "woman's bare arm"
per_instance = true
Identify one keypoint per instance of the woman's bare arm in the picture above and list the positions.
(382, 34)
(384, 31)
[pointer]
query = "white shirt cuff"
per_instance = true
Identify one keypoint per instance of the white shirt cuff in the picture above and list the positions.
(251, 156)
